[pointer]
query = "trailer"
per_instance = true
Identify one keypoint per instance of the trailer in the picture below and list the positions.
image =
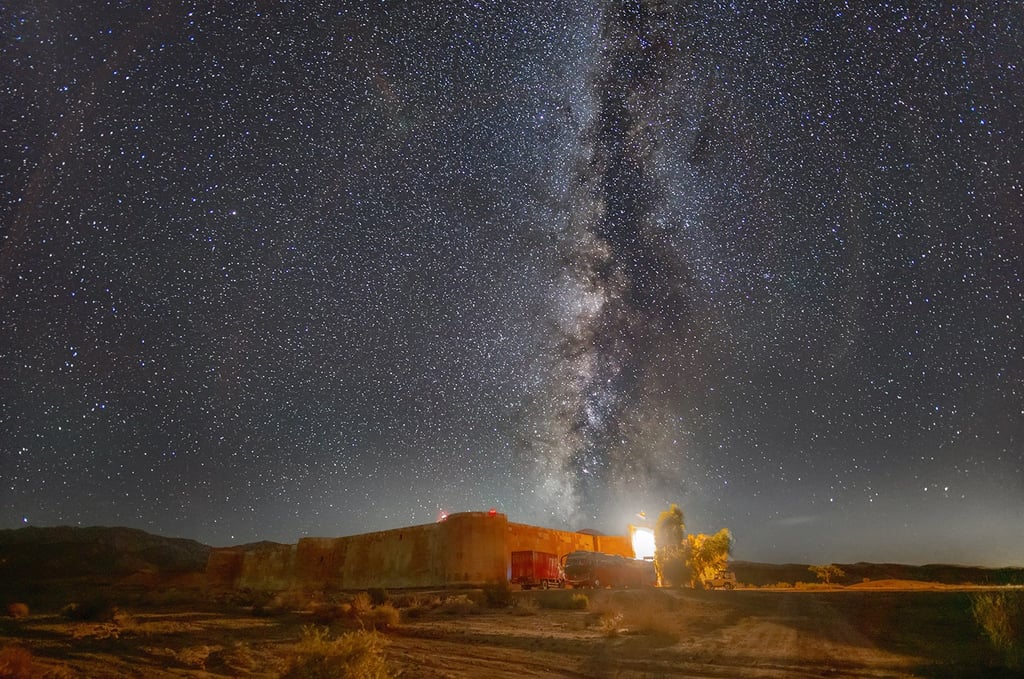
(536, 569)
(596, 569)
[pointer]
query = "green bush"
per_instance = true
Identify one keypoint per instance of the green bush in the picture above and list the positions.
(355, 655)
(1001, 615)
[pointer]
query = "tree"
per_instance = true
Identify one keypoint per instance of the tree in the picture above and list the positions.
(708, 554)
(828, 572)
(670, 548)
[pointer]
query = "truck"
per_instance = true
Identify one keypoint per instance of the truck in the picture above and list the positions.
(723, 579)
(537, 569)
(597, 569)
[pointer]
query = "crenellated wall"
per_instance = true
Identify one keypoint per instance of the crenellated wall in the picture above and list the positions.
(470, 548)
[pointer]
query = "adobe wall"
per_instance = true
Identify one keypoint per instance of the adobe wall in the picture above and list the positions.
(522, 537)
(470, 548)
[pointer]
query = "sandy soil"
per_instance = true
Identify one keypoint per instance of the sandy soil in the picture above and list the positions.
(623, 634)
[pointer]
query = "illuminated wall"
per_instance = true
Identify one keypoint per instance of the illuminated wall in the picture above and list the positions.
(470, 548)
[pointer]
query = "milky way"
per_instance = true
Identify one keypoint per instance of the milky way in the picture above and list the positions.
(285, 269)
(624, 295)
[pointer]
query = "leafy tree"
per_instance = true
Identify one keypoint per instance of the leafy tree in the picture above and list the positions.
(670, 547)
(708, 554)
(828, 572)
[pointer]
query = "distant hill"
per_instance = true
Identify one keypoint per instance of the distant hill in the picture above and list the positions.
(34, 553)
(753, 573)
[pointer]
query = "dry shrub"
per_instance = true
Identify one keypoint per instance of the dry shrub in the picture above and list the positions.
(355, 655)
(647, 613)
(378, 595)
(15, 663)
(498, 595)
(17, 610)
(1001, 615)
(524, 606)
(563, 600)
(96, 609)
(60, 672)
(610, 623)
(290, 600)
(459, 604)
(235, 660)
(403, 600)
(651, 622)
(419, 605)
(380, 617)
(327, 612)
(194, 656)
(360, 604)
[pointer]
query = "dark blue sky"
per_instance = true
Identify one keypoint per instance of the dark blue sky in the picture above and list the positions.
(304, 268)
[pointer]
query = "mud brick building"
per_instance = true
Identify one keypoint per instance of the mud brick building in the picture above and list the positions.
(470, 548)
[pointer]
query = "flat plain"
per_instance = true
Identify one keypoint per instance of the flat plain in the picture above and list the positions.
(890, 629)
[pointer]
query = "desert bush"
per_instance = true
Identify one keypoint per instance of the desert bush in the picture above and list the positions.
(610, 623)
(378, 595)
(17, 610)
(235, 660)
(636, 612)
(194, 656)
(651, 621)
(421, 604)
(60, 672)
(355, 655)
(329, 612)
(579, 602)
(525, 606)
(1001, 615)
(459, 604)
(380, 617)
(403, 600)
(563, 600)
(360, 604)
(15, 663)
(498, 595)
(96, 609)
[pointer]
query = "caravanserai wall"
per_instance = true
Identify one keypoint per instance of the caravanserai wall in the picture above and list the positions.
(469, 548)
(522, 537)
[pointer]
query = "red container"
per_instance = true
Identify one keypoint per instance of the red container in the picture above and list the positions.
(536, 569)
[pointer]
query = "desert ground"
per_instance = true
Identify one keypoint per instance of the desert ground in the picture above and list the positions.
(887, 630)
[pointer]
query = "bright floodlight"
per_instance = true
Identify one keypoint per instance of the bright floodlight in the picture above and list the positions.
(643, 543)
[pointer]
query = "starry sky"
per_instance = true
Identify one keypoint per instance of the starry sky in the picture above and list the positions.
(276, 269)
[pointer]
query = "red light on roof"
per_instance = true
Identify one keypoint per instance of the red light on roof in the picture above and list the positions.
(492, 512)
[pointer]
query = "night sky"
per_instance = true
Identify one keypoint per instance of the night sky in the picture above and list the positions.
(276, 269)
